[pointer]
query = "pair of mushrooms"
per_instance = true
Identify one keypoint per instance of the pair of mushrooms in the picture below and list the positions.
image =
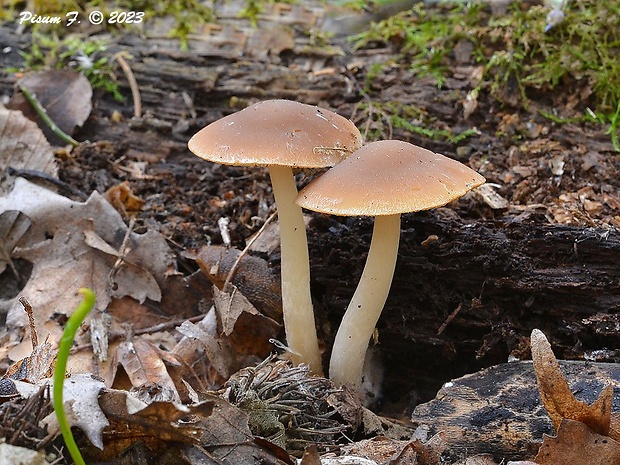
(381, 179)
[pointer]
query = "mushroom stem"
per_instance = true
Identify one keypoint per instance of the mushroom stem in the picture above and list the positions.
(297, 308)
(363, 312)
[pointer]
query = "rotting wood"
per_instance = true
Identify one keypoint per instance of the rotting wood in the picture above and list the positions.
(498, 410)
(509, 277)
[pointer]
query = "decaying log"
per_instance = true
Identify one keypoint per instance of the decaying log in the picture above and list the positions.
(469, 297)
(498, 410)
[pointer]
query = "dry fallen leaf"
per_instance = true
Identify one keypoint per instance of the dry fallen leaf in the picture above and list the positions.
(252, 276)
(232, 335)
(52, 292)
(347, 460)
(575, 443)
(72, 245)
(197, 368)
(381, 449)
(21, 455)
(485, 459)
(124, 200)
(147, 372)
(123, 272)
(23, 146)
(40, 363)
(156, 424)
(557, 396)
(65, 94)
(215, 351)
(249, 330)
(311, 456)
(35, 367)
(80, 396)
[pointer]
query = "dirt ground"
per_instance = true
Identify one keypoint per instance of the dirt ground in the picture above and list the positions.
(552, 187)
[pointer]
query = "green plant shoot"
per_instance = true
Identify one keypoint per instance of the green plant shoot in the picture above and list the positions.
(75, 320)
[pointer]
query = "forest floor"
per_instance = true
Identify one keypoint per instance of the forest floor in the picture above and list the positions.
(544, 231)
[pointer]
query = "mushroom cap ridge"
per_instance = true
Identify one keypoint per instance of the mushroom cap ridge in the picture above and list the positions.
(278, 132)
(386, 178)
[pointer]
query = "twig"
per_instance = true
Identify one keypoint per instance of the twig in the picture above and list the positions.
(115, 335)
(133, 84)
(233, 270)
(42, 112)
(122, 256)
(449, 319)
(30, 313)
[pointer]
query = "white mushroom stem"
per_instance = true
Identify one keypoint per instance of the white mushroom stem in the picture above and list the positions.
(360, 319)
(297, 307)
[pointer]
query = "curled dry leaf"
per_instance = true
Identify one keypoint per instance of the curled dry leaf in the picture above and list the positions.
(157, 424)
(23, 146)
(196, 367)
(146, 371)
(557, 396)
(65, 94)
(37, 366)
(575, 443)
(248, 329)
(253, 277)
(216, 353)
(233, 335)
(124, 200)
(124, 271)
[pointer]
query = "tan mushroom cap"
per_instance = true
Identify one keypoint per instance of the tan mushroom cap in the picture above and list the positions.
(278, 132)
(386, 178)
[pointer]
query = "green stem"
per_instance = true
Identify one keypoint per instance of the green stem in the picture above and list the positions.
(75, 320)
(38, 108)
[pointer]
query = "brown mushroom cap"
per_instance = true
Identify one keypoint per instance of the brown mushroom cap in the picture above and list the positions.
(388, 177)
(278, 132)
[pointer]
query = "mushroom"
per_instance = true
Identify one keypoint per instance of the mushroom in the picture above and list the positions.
(282, 134)
(382, 179)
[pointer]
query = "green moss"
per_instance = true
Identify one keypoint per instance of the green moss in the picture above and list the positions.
(382, 118)
(424, 37)
(519, 58)
(253, 8)
(86, 56)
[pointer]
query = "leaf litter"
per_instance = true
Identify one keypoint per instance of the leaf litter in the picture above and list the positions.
(584, 433)
(87, 244)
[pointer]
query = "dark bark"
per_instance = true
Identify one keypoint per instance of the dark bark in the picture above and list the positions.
(498, 411)
(499, 280)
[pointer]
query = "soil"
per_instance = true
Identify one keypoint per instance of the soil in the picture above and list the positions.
(472, 279)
